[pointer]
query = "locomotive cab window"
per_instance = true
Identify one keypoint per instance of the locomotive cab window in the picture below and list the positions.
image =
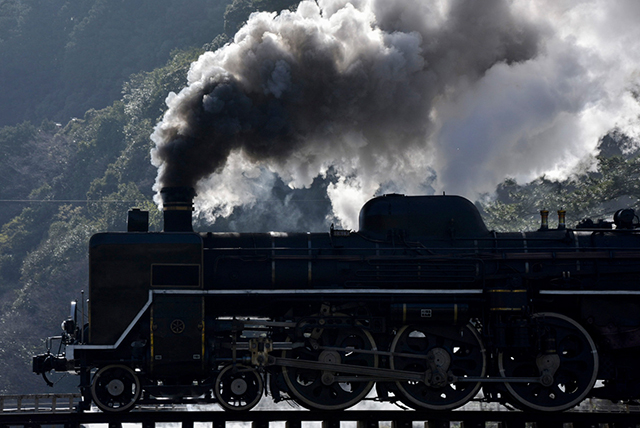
(168, 275)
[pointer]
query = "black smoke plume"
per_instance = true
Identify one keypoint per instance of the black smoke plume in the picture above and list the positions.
(309, 77)
(385, 94)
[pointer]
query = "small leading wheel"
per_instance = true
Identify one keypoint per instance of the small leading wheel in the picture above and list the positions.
(115, 388)
(446, 355)
(238, 388)
(332, 390)
(566, 363)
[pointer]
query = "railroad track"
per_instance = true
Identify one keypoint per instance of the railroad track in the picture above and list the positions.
(295, 419)
(37, 410)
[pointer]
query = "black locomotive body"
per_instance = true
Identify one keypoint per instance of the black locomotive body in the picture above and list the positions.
(423, 302)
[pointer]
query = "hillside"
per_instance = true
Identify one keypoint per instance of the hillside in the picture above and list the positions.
(62, 58)
(63, 182)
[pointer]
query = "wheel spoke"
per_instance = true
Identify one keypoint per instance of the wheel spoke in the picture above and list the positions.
(315, 389)
(450, 351)
(573, 378)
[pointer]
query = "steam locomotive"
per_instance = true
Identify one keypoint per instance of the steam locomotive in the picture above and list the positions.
(423, 303)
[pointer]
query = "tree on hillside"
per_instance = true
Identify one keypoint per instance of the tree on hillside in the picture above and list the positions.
(610, 183)
(61, 58)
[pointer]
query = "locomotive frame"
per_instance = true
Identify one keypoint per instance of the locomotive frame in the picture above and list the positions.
(423, 303)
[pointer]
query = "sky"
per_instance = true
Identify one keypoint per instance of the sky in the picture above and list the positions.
(411, 96)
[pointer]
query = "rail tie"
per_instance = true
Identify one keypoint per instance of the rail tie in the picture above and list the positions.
(296, 419)
(37, 410)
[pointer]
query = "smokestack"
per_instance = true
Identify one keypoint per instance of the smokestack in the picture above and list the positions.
(177, 205)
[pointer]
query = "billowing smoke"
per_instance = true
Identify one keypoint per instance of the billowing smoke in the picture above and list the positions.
(408, 96)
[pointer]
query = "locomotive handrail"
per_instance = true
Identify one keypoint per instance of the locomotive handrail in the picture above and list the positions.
(323, 291)
(592, 292)
(473, 252)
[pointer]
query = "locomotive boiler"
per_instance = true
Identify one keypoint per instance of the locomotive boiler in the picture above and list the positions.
(422, 303)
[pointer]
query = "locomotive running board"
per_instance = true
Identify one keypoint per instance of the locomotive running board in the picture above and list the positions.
(71, 348)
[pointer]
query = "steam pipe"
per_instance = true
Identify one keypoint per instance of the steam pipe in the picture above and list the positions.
(544, 220)
(562, 222)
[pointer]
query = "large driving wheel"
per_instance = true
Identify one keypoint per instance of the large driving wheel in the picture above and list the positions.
(331, 390)
(566, 364)
(238, 388)
(446, 355)
(115, 388)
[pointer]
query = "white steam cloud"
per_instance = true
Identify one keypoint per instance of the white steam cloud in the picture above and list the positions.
(406, 96)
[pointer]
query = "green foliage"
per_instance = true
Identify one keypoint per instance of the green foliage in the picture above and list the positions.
(275, 5)
(51, 276)
(15, 147)
(97, 140)
(144, 98)
(612, 184)
(65, 244)
(109, 210)
(14, 139)
(144, 93)
(19, 236)
(64, 57)
(238, 11)
(12, 14)
(236, 15)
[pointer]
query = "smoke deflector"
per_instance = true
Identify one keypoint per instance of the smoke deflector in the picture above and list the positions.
(177, 205)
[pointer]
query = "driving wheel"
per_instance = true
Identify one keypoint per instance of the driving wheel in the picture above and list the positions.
(565, 362)
(331, 389)
(445, 355)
